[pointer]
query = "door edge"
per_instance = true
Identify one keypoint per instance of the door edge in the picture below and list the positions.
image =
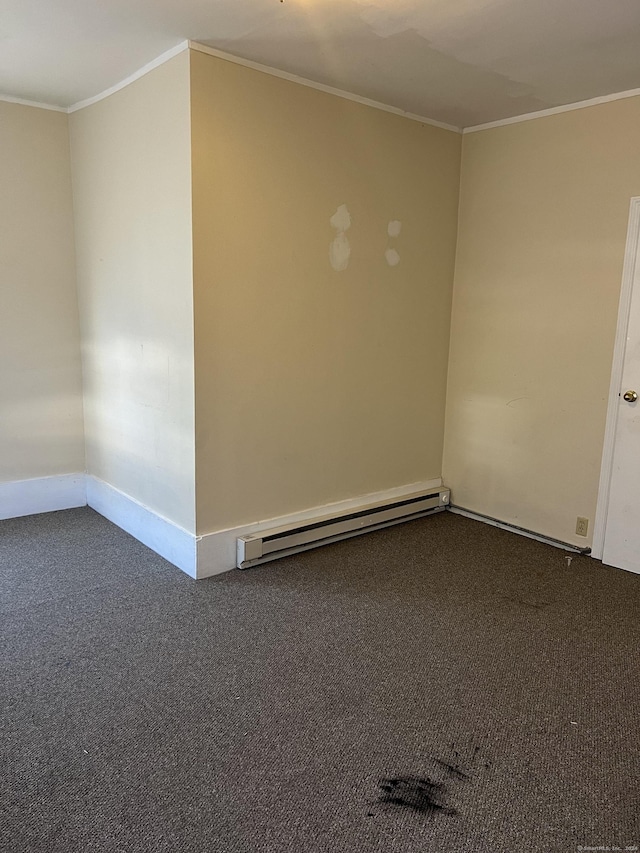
(626, 291)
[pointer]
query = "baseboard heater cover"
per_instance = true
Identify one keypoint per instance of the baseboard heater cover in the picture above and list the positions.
(291, 539)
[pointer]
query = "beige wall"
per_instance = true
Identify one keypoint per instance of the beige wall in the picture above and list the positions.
(543, 215)
(132, 196)
(40, 384)
(314, 385)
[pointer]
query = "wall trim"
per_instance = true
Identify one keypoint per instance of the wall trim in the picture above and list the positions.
(521, 531)
(552, 111)
(216, 552)
(172, 542)
(9, 99)
(155, 63)
(198, 556)
(626, 292)
(42, 494)
(321, 87)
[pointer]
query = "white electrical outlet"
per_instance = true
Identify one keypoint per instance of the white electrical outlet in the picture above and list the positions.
(582, 526)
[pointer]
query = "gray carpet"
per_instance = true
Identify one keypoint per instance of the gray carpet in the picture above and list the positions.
(438, 686)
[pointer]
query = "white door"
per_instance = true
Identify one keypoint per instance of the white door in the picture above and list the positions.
(622, 519)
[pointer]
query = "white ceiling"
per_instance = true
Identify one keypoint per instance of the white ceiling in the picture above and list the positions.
(462, 62)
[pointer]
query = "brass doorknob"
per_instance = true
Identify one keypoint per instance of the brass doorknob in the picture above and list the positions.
(630, 396)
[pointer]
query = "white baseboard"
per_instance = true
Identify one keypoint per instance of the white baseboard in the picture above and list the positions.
(216, 552)
(172, 542)
(198, 556)
(512, 528)
(42, 494)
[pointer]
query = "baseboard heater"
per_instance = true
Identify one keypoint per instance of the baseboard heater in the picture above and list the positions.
(291, 539)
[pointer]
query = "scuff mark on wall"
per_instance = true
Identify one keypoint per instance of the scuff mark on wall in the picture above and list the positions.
(340, 249)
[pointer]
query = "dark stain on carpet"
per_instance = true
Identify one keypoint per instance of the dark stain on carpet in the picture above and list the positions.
(453, 769)
(418, 793)
(432, 794)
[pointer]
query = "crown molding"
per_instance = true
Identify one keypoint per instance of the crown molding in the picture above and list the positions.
(159, 60)
(552, 111)
(321, 87)
(9, 99)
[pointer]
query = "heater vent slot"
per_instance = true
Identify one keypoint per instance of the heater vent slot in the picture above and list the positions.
(281, 541)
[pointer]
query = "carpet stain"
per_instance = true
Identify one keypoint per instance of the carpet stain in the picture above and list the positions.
(474, 759)
(418, 793)
(432, 794)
